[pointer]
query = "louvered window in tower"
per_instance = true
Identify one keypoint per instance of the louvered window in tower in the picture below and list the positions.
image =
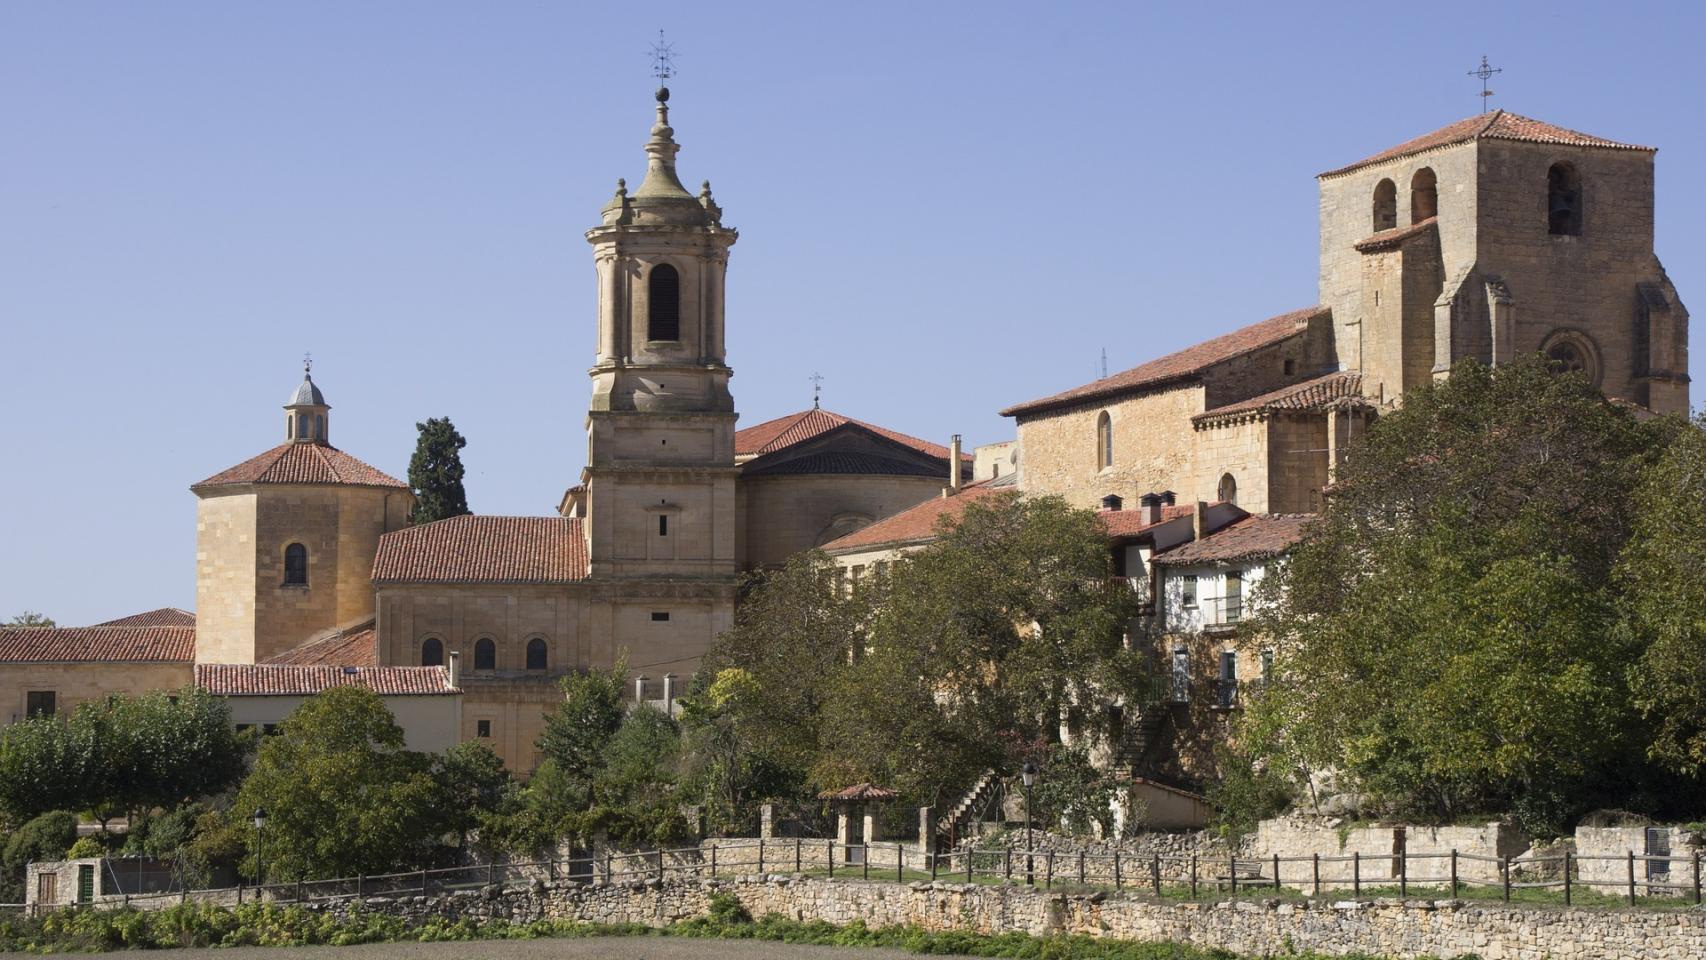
(663, 299)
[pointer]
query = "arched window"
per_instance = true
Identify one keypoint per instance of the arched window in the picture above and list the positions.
(319, 427)
(1104, 440)
(1228, 492)
(296, 565)
(301, 427)
(1563, 201)
(1385, 205)
(663, 299)
(485, 654)
(1571, 352)
(432, 652)
(1424, 195)
(536, 654)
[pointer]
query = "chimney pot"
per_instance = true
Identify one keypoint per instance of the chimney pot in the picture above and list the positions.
(455, 669)
(954, 466)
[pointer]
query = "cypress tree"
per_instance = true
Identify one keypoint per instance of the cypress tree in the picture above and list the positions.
(435, 472)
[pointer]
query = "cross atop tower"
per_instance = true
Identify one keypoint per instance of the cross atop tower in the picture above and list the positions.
(817, 388)
(307, 364)
(1485, 72)
(663, 60)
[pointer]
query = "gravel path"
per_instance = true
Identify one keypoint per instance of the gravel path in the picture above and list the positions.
(591, 948)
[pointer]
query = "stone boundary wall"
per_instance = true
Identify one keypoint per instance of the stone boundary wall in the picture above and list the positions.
(1398, 929)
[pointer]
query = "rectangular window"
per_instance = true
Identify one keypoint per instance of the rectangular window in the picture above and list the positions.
(40, 703)
(1267, 664)
(1188, 591)
(1228, 680)
(660, 616)
(663, 524)
(1181, 675)
(1234, 596)
(483, 728)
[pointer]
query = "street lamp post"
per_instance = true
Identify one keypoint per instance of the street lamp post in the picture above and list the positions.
(260, 871)
(1028, 773)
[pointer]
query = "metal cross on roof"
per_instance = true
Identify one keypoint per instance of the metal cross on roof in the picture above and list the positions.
(663, 59)
(307, 363)
(1485, 72)
(817, 388)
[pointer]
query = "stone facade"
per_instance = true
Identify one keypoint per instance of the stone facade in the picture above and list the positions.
(1152, 444)
(79, 682)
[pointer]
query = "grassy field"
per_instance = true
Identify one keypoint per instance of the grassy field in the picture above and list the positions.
(591, 948)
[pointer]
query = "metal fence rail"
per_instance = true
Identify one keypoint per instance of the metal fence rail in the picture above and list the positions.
(1175, 876)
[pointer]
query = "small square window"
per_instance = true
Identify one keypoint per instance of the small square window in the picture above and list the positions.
(40, 703)
(660, 616)
(483, 728)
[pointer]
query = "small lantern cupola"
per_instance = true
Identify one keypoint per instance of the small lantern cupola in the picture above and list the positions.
(306, 413)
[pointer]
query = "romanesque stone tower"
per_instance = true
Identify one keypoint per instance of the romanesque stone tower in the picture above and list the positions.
(285, 540)
(1497, 236)
(660, 474)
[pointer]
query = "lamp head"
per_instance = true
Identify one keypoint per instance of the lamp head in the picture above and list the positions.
(1029, 773)
(260, 817)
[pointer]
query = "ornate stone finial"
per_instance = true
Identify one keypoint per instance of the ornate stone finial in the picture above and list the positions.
(621, 188)
(714, 212)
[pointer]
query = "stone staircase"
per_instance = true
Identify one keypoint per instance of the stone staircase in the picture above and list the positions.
(951, 826)
(1133, 755)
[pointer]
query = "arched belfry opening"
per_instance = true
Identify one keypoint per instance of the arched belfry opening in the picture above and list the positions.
(663, 303)
(1563, 201)
(1424, 195)
(1385, 205)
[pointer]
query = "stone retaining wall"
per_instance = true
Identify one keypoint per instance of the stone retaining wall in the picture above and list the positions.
(1399, 929)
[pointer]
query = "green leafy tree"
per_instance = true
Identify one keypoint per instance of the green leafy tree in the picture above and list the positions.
(1445, 631)
(45, 837)
(29, 618)
(436, 472)
(1664, 601)
(474, 788)
(575, 735)
(342, 794)
(40, 769)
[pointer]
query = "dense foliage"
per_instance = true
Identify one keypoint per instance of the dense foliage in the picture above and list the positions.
(28, 619)
(436, 472)
(1450, 630)
(120, 755)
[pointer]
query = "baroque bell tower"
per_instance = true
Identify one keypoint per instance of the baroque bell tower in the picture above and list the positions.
(660, 474)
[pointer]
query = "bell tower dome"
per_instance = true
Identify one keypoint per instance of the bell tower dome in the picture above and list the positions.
(306, 414)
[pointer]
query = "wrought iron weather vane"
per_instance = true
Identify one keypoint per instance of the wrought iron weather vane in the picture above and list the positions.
(817, 388)
(663, 60)
(1484, 72)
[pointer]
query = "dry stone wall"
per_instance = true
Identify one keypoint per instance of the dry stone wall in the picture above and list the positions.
(1398, 929)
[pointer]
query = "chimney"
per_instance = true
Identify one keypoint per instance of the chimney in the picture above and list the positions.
(1199, 521)
(954, 466)
(1149, 508)
(455, 669)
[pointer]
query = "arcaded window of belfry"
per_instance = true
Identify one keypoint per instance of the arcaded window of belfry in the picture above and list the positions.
(663, 297)
(1424, 195)
(296, 565)
(1385, 205)
(1228, 492)
(1563, 201)
(1104, 440)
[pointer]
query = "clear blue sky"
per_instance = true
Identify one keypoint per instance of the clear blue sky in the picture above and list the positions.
(944, 208)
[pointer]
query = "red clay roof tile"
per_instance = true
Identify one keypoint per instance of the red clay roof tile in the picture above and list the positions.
(1498, 125)
(1319, 394)
(110, 644)
(303, 463)
(163, 617)
(351, 648)
(784, 432)
(915, 524)
(1395, 237)
(1250, 538)
(477, 549)
(289, 680)
(1182, 365)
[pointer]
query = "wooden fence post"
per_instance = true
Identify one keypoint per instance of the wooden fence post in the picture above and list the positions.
(935, 859)
(1315, 872)
(609, 877)
(1403, 873)
(1566, 878)
(423, 882)
(1193, 876)
(1505, 868)
(1081, 874)
(865, 859)
(1116, 868)
(1697, 878)
(1276, 873)
(360, 884)
(1007, 864)
(1232, 872)
(1048, 875)
(660, 864)
(968, 856)
(797, 842)
(1631, 878)
(713, 860)
(899, 864)
(1155, 872)
(1356, 873)
(1454, 876)
(829, 849)
(492, 873)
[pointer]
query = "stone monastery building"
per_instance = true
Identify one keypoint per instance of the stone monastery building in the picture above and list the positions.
(1492, 237)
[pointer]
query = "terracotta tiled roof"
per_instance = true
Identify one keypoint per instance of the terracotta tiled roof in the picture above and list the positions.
(108, 644)
(1129, 523)
(914, 525)
(303, 463)
(484, 550)
(1253, 537)
(1334, 389)
(349, 648)
(1498, 125)
(282, 680)
(834, 462)
(860, 791)
(1182, 365)
(783, 432)
(163, 617)
(1395, 237)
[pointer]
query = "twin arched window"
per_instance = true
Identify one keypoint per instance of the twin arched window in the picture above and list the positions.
(536, 657)
(1104, 441)
(1563, 201)
(485, 654)
(432, 652)
(663, 304)
(296, 565)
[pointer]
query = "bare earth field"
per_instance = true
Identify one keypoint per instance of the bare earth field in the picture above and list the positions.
(595, 948)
